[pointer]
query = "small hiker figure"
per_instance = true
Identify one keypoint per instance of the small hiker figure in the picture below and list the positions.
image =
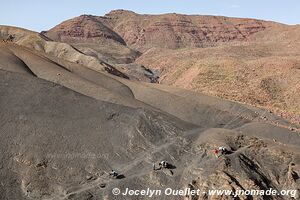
(163, 164)
(222, 150)
(10, 38)
(216, 152)
(154, 166)
(113, 174)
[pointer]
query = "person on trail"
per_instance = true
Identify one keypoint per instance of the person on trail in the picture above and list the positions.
(163, 164)
(216, 152)
(222, 150)
(10, 38)
(113, 174)
(154, 166)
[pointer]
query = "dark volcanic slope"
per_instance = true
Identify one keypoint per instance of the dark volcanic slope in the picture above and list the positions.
(62, 129)
(40, 42)
(46, 126)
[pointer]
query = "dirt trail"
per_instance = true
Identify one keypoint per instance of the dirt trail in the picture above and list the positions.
(126, 167)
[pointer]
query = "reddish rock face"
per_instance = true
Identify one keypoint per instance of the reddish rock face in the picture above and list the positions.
(167, 31)
(174, 31)
(83, 28)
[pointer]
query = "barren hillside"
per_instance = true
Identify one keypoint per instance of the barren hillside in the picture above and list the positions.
(76, 103)
(62, 123)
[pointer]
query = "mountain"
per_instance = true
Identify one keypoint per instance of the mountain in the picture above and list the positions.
(93, 37)
(245, 60)
(166, 31)
(177, 31)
